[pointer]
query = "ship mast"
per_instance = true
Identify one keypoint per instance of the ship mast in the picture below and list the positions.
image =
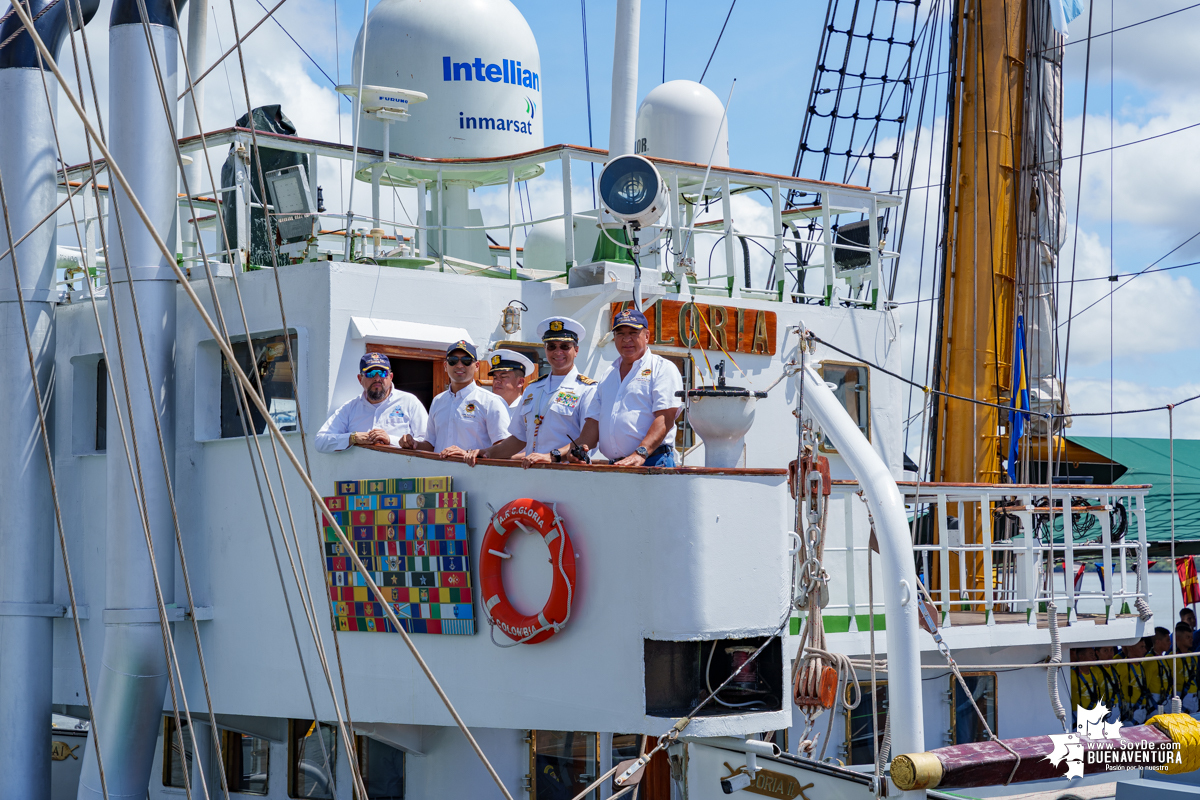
(978, 291)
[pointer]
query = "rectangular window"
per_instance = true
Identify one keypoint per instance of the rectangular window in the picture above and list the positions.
(247, 762)
(860, 727)
(965, 725)
(851, 386)
(382, 769)
(270, 361)
(563, 763)
(312, 759)
(175, 761)
(101, 406)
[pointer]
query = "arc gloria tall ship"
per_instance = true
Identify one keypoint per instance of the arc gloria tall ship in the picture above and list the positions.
(634, 498)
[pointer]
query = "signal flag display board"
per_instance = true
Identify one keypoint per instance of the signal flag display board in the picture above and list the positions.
(411, 534)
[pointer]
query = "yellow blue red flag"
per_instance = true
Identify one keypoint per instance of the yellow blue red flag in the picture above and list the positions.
(1018, 414)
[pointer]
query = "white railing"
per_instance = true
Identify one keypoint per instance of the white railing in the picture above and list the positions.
(810, 251)
(999, 552)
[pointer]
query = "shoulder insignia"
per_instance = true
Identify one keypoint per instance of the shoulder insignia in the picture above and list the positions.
(539, 380)
(586, 381)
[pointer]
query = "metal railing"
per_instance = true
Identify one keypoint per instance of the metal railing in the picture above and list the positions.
(809, 250)
(991, 553)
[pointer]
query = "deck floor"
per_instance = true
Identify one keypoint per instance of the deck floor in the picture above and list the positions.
(1020, 618)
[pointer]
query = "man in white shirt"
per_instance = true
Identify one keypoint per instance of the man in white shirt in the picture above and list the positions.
(380, 415)
(464, 417)
(509, 371)
(632, 417)
(553, 408)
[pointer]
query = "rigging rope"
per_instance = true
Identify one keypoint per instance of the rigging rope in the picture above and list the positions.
(62, 542)
(134, 459)
(715, 45)
(237, 372)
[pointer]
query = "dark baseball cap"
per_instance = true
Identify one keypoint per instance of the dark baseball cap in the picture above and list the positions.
(465, 346)
(374, 361)
(630, 317)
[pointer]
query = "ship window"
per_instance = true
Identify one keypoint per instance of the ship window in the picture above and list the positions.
(309, 744)
(965, 725)
(851, 386)
(247, 762)
(562, 763)
(382, 769)
(274, 368)
(176, 762)
(101, 406)
(860, 726)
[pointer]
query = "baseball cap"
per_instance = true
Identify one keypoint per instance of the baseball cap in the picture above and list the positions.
(465, 346)
(374, 361)
(630, 317)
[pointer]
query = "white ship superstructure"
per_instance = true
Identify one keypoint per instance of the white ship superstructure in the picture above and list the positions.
(680, 574)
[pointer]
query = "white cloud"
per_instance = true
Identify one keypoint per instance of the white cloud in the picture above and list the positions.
(1162, 303)
(1097, 396)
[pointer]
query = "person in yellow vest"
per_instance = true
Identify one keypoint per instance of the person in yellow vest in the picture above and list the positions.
(1139, 701)
(1085, 690)
(1108, 681)
(1158, 673)
(1189, 682)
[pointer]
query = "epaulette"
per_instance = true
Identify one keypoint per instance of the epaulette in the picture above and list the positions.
(539, 380)
(586, 381)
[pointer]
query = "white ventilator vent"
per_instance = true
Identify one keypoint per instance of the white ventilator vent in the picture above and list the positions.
(682, 120)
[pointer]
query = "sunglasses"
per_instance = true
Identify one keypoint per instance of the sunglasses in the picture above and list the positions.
(552, 346)
(376, 373)
(454, 361)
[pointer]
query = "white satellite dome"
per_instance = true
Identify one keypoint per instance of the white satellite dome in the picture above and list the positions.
(478, 63)
(680, 120)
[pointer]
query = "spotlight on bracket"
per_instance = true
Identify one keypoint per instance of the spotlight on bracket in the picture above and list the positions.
(632, 191)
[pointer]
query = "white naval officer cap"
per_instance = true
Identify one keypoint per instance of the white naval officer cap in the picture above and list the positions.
(560, 328)
(504, 358)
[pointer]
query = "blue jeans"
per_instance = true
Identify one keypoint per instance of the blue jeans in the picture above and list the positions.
(663, 456)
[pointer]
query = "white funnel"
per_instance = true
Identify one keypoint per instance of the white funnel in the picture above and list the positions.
(722, 415)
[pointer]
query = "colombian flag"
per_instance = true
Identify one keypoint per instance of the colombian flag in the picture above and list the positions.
(1018, 415)
(1186, 567)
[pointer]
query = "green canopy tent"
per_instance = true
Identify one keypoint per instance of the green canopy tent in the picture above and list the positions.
(1149, 461)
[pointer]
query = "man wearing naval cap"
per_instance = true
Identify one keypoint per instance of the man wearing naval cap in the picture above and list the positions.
(553, 408)
(633, 416)
(509, 370)
(382, 414)
(464, 417)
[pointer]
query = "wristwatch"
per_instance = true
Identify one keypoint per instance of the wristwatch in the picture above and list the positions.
(556, 456)
(642, 451)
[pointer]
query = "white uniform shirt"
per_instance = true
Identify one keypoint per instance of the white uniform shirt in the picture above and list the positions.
(472, 419)
(398, 414)
(562, 402)
(625, 408)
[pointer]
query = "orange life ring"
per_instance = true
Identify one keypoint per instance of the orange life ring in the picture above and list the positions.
(533, 515)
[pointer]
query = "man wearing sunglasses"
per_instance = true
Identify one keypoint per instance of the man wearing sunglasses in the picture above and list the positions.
(464, 417)
(382, 414)
(551, 411)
